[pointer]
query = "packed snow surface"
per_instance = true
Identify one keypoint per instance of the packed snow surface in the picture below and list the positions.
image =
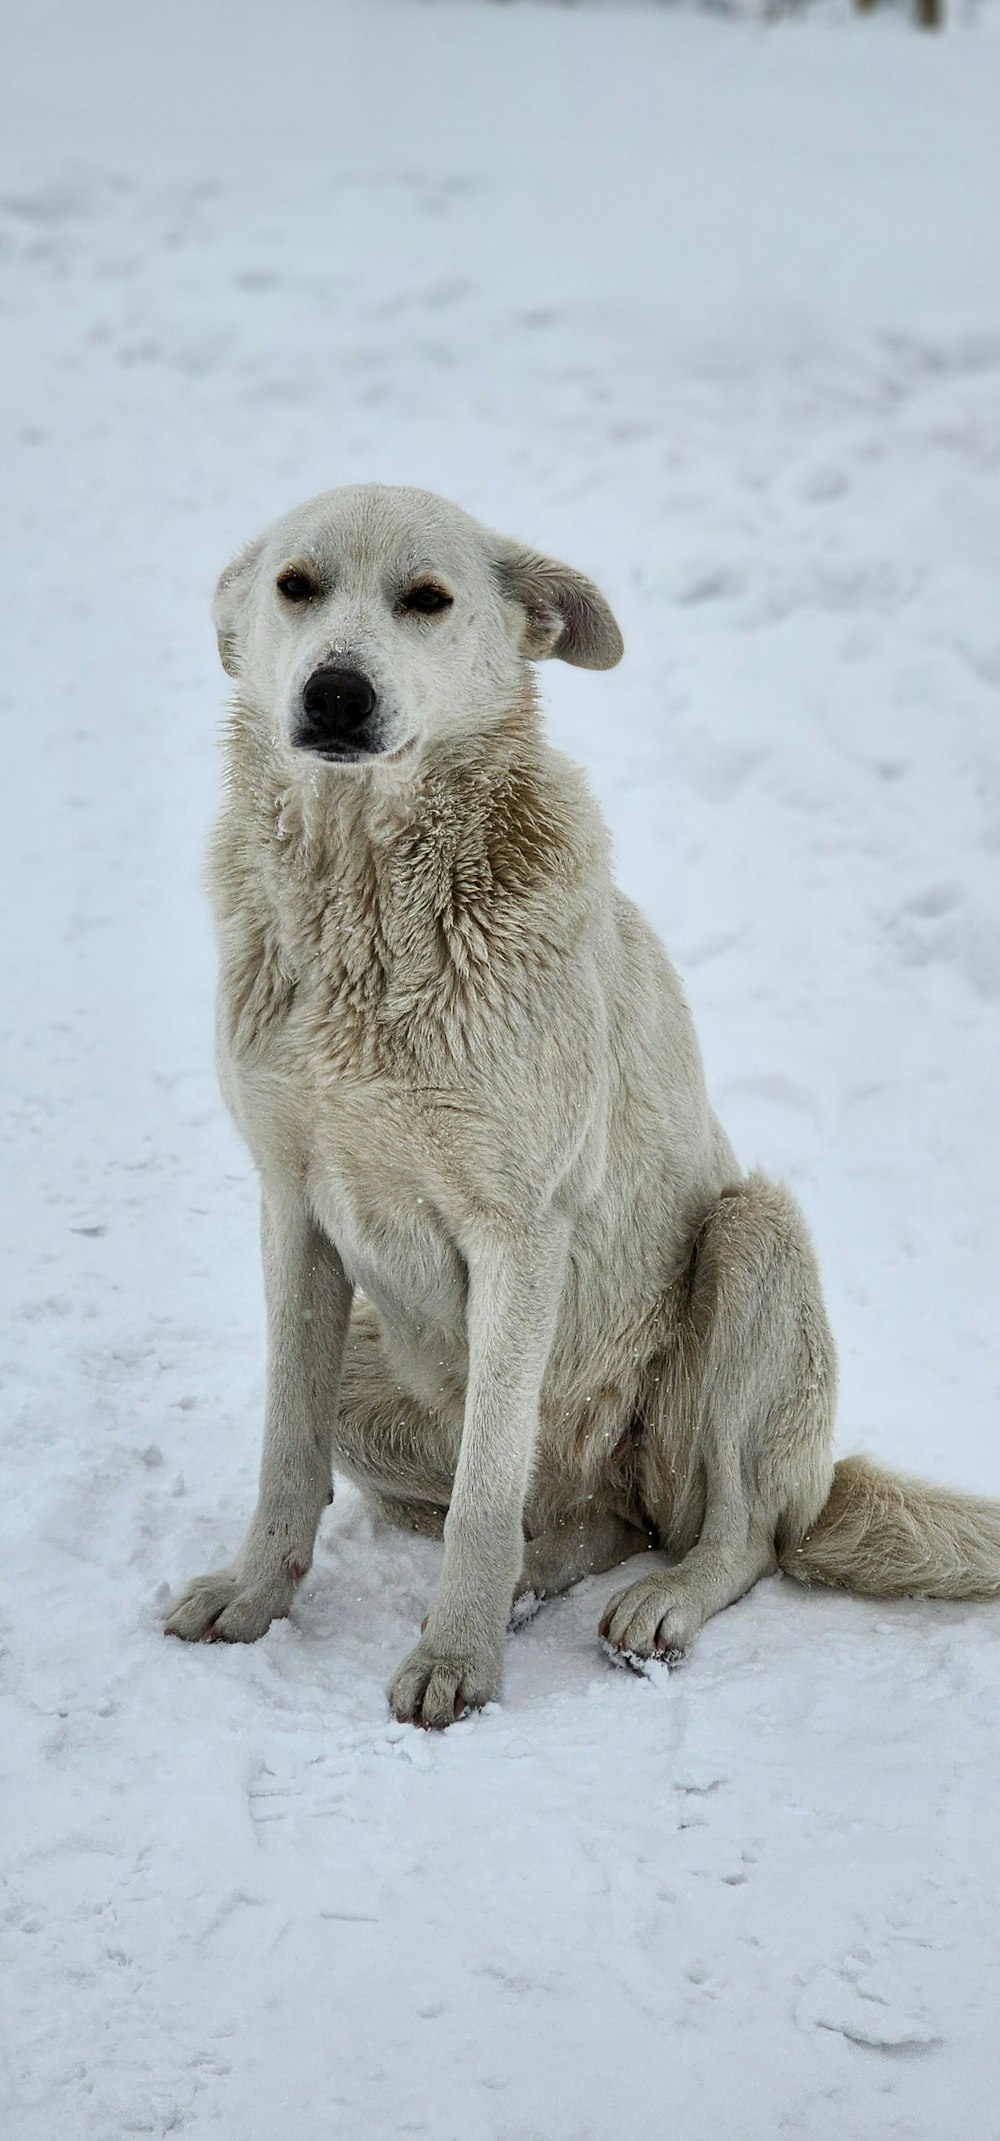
(712, 309)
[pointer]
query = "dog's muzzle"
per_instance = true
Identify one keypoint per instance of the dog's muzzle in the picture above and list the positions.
(339, 712)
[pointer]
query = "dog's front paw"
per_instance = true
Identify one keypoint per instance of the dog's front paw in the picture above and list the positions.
(230, 1606)
(433, 1689)
(650, 1619)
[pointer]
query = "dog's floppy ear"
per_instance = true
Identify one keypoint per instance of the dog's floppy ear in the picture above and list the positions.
(566, 616)
(229, 606)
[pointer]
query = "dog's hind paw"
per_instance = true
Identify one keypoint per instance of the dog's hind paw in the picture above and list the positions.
(654, 1620)
(646, 1668)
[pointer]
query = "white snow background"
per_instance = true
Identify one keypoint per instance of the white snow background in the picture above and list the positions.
(711, 308)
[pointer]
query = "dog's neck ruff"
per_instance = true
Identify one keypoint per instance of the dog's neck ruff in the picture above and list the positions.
(398, 918)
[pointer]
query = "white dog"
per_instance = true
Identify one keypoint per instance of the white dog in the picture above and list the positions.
(469, 1081)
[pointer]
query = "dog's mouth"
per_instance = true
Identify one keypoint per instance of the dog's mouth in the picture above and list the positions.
(332, 754)
(355, 754)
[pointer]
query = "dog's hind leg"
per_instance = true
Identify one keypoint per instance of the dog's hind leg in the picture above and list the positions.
(426, 1519)
(581, 1543)
(751, 1388)
(584, 1542)
(577, 1545)
(395, 1449)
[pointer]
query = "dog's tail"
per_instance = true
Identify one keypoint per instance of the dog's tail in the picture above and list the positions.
(899, 1538)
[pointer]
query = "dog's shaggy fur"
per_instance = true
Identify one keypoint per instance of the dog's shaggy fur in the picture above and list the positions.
(469, 1080)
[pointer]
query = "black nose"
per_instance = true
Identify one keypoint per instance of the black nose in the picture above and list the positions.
(336, 703)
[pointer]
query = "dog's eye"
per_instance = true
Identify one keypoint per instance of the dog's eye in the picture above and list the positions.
(295, 586)
(425, 600)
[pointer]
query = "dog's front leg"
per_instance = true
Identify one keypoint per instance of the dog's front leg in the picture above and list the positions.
(308, 1305)
(514, 1290)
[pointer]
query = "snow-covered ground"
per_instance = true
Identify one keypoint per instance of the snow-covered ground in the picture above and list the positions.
(713, 310)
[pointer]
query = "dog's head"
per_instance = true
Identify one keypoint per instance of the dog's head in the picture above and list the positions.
(373, 621)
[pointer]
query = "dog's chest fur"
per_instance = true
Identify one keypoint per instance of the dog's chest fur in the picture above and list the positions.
(387, 981)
